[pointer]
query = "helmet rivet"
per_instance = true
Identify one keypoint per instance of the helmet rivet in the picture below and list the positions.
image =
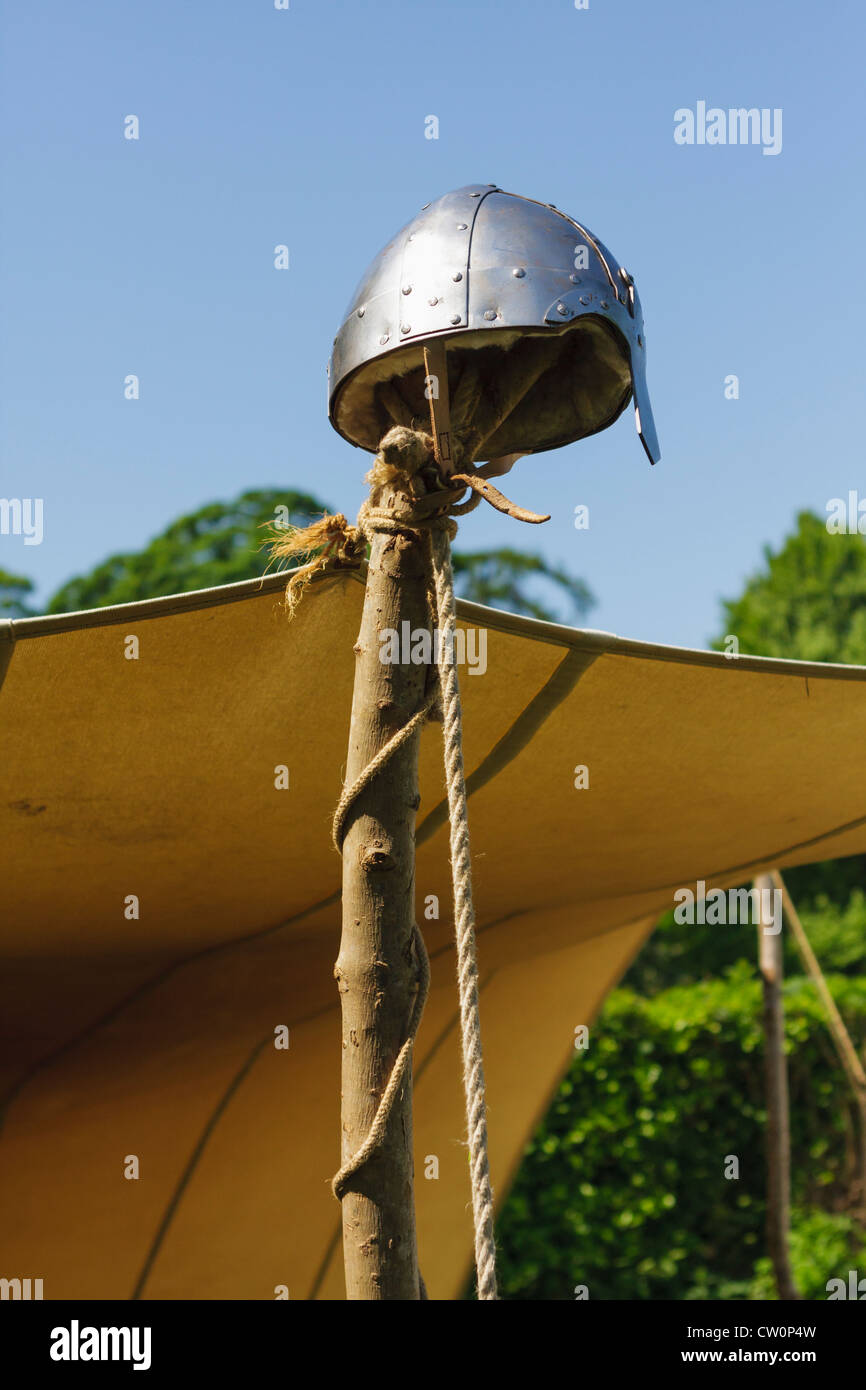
(583, 299)
(384, 338)
(561, 309)
(411, 236)
(455, 318)
(518, 272)
(478, 195)
(424, 205)
(639, 340)
(462, 226)
(458, 275)
(433, 301)
(362, 311)
(604, 304)
(575, 279)
(490, 313)
(405, 327)
(407, 289)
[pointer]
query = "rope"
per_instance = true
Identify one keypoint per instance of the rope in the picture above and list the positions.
(351, 794)
(376, 1137)
(464, 922)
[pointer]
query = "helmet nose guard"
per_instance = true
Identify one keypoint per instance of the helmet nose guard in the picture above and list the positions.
(515, 289)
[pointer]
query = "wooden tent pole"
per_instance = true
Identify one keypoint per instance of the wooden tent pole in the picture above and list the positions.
(776, 1084)
(377, 970)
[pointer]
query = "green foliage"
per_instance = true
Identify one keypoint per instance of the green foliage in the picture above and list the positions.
(824, 1245)
(623, 1186)
(836, 930)
(226, 541)
(679, 954)
(833, 881)
(218, 544)
(14, 589)
(808, 602)
(498, 578)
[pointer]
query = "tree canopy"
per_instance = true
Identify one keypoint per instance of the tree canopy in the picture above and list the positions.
(14, 590)
(808, 601)
(498, 578)
(220, 543)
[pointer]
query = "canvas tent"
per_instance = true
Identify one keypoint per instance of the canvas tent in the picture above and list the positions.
(154, 1036)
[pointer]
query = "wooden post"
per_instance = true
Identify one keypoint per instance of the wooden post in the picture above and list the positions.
(377, 969)
(776, 1085)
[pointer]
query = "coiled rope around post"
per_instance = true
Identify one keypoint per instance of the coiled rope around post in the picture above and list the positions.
(430, 514)
(376, 1136)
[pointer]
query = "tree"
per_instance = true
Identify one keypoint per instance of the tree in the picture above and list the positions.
(498, 577)
(809, 600)
(220, 543)
(227, 541)
(14, 589)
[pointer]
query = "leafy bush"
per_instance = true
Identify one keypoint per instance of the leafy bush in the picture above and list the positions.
(823, 1245)
(623, 1186)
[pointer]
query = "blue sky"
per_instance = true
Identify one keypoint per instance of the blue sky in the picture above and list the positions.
(306, 127)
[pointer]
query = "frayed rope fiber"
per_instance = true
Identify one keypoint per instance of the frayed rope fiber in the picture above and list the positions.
(404, 463)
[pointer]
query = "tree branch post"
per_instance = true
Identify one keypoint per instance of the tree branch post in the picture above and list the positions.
(378, 972)
(776, 1090)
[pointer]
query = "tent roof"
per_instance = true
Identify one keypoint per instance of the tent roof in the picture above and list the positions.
(155, 777)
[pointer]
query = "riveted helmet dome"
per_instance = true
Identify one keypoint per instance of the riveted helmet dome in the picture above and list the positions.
(522, 296)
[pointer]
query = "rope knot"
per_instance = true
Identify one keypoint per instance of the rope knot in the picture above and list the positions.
(332, 539)
(403, 453)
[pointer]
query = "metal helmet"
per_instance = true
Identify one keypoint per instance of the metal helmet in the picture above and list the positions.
(488, 273)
